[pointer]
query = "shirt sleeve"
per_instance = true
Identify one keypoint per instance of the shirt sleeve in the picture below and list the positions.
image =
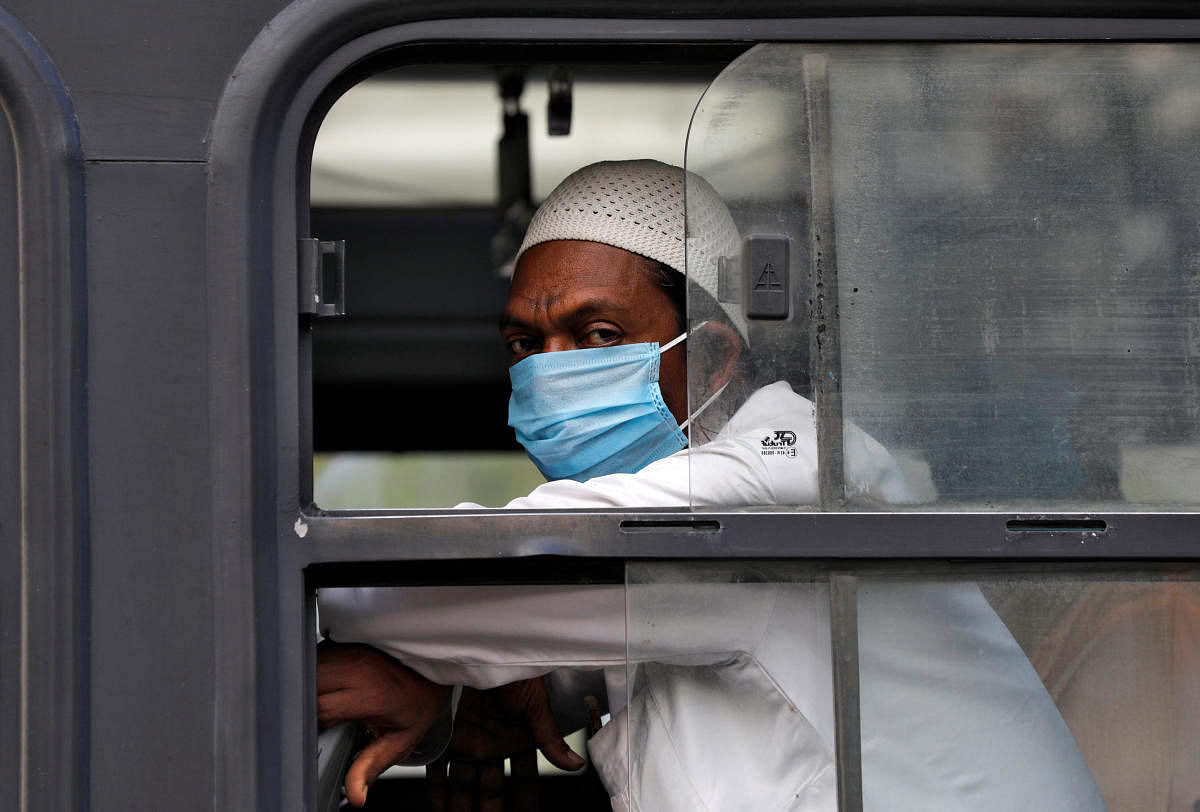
(482, 636)
(662, 483)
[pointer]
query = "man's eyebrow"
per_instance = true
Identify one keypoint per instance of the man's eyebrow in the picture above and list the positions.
(588, 308)
(507, 321)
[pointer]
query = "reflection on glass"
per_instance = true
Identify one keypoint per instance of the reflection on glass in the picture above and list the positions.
(953, 714)
(730, 688)
(1014, 250)
(1000, 688)
(1121, 659)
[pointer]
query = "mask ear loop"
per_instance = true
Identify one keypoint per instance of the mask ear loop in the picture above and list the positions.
(703, 406)
(682, 336)
(714, 395)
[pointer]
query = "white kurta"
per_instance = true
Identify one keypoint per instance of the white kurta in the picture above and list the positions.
(733, 705)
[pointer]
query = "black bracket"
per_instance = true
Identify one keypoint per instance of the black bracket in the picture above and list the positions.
(559, 102)
(322, 274)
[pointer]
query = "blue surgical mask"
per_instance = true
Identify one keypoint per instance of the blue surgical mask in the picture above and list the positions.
(586, 413)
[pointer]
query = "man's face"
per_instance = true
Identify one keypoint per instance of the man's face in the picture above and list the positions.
(572, 294)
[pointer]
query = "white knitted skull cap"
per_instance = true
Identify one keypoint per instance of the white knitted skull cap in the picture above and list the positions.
(639, 206)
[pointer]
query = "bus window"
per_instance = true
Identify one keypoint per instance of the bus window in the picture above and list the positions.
(430, 176)
(963, 278)
(956, 277)
(990, 298)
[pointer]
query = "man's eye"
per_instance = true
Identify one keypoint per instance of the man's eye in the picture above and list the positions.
(520, 346)
(600, 336)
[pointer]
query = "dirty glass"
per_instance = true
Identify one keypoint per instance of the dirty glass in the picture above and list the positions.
(729, 689)
(994, 687)
(1026, 689)
(976, 266)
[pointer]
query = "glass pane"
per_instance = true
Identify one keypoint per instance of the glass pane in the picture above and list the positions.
(993, 688)
(730, 688)
(992, 273)
(1030, 691)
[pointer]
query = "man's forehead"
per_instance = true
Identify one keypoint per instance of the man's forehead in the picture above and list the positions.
(552, 289)
(551, 273)
(571, 302)
(568, 280)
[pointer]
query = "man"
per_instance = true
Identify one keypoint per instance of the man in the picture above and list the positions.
(733, 702)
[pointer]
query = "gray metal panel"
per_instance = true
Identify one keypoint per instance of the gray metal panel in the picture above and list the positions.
(500, 534)
(48, 534)
(151, 624)
(826, 341)
(843, 617)
(10, 486)
(145, 77)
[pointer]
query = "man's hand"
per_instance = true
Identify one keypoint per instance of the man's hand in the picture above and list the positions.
(505, 722)
(397, 705)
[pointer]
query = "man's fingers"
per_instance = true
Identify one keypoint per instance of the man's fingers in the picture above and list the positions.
(546, 735)
(329, 710)
(464, 781)
(389, 748)
(558, 753)
(523, 774)
(437, 784)
(340, 666)
(491, 785)
(342, 706)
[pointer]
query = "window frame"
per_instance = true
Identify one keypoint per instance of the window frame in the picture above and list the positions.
(272, 548)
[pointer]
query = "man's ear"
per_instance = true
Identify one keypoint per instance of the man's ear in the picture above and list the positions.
(722, 347)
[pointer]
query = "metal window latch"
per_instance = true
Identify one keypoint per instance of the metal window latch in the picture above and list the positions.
(322, 276)
(767, 276)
